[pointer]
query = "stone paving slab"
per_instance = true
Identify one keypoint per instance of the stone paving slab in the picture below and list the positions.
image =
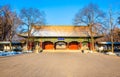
(62, 64)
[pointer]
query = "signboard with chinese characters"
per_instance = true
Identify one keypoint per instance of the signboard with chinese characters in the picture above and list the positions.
(60, 38)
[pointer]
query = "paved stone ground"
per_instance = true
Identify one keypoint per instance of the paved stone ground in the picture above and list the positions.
(60, 65)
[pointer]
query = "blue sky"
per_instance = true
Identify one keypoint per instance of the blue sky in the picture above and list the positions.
(60, 12)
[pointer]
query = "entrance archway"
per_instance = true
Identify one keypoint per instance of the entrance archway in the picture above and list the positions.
(74, 45)
(30, 45)
(60, 45)
(85, 45)
(48, 45)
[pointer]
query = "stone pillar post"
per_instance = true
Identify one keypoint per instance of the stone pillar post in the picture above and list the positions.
(37, 48)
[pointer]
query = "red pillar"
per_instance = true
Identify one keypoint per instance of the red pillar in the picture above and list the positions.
(67, 45)
(90, 45)
(80, 45)
(30, 45)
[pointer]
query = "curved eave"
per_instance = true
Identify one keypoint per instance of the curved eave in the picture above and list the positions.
(60, 36)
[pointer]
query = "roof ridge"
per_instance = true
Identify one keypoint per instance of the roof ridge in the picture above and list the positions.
(60, 26)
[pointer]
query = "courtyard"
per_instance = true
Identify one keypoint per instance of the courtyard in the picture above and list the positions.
(60, 64)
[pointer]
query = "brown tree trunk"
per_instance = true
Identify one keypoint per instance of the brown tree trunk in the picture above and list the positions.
(111, 24)
(92, 38)
(11, 39)
(28, 40)
(112, 43)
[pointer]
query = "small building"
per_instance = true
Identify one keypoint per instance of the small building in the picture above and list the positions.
(60, 37)
(15, 46)
(107, 46)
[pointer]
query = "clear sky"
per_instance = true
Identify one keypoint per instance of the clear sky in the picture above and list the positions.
(60, 12)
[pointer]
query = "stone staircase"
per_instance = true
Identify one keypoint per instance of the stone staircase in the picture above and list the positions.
(62, 51)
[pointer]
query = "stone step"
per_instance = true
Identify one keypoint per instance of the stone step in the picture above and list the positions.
(61, 50)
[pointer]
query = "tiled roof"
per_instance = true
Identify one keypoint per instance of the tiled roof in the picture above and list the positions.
(59, 31)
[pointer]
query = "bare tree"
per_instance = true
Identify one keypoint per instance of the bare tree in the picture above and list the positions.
(116, 36)
(113, 23)
(7, 18)
(90, 15)
(5, 22)
(8, 23)
(119, 20)
(31, 16)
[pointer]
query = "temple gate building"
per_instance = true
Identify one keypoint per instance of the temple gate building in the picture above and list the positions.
(60, 37)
